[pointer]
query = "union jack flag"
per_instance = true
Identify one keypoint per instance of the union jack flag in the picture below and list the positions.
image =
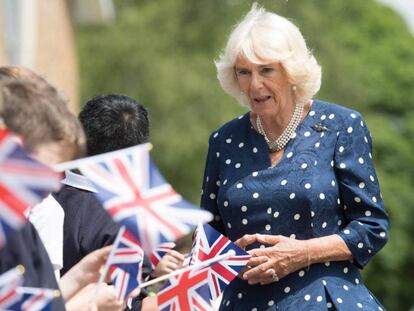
(187, 291)
(123, 282)
(35, 299)
(133, 191)
(126, 250)
(126, 263)
(9, 282)
(209, 243)
(160, 252)
(23, 183)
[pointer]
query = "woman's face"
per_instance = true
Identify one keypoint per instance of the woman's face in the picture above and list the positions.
(265, 85)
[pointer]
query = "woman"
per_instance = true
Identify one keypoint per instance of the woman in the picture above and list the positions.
(292, 180)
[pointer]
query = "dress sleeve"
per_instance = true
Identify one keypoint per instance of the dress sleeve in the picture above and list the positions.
(211, 183)
(367, 230)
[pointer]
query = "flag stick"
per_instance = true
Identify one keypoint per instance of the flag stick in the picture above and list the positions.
(108, 263)
(70, 165)
(197, 266)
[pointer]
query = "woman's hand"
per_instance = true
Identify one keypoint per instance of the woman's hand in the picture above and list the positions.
(267, 265)
(170, 262)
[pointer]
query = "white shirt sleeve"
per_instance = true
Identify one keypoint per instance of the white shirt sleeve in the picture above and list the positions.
(47, 217)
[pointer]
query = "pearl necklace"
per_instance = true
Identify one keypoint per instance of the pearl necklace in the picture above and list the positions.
(288, 133)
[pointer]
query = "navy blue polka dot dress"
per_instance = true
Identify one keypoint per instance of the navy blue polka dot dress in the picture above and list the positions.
(324, 184)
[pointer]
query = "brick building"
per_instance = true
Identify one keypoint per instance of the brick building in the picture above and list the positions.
(39, 34)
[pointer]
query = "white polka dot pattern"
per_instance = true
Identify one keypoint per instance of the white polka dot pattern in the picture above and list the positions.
(323, 184)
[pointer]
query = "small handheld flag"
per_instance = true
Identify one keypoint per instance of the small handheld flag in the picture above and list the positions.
(124, 264)
(9, 282)
(36, 299)
(23, 183)
(209, 243)
(135, 194)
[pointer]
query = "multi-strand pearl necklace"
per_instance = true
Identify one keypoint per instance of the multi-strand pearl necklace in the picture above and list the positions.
(280, 142)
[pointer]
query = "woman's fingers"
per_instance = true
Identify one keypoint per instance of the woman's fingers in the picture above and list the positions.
(259, 271)
(285, 256)
(269, 239)
(264, 277)
(271, 276)
(255, 261)
(246, 240)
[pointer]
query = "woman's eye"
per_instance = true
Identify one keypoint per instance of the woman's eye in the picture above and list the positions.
(242, 72)
(267, 70)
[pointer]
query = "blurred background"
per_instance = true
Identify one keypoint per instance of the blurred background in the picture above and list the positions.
(162, 52)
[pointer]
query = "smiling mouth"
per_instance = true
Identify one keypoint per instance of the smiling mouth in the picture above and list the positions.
(261, 99)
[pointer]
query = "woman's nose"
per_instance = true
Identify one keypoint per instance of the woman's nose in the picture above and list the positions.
(256, 81)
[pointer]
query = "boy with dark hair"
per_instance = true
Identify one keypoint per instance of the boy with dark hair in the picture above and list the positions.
(110, 122)
(113, 122)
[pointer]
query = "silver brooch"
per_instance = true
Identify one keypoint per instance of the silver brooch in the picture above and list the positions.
(319, 127)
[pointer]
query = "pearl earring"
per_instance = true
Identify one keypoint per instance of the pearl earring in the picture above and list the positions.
(294, 88)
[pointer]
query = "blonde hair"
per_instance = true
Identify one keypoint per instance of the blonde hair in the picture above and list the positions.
(17, 73)
(264, 37)
(34, 109)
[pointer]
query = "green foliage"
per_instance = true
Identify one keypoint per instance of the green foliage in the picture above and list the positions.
(162, 52)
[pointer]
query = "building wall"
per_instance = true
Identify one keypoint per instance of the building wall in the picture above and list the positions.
(3, 56)
(54, 49)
